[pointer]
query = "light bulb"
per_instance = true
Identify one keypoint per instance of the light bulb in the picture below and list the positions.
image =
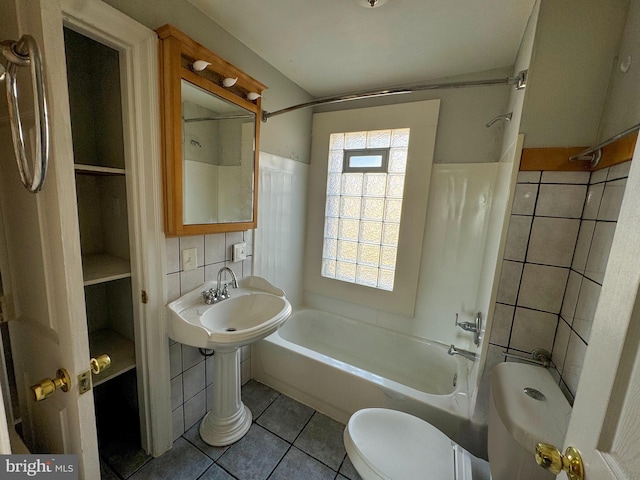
(253, 96)
(200, 65)
(229, 82)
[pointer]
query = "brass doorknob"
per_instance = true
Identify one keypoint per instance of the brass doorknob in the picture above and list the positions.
(48, 386)
(100, 363)
(550, 458)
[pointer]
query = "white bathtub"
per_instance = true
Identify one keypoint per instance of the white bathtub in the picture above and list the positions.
(338, 365)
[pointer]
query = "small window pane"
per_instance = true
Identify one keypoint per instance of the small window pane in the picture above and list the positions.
(367, 276)
(353, 140)
(369, 254)
(351, 207)
(349, 229)
(375, 184)
(400, 137)
(336, 141)
(330, 249)
(397, 160)
(365, 161)
(371, 232)
(395, 186)
(379, 139)
(347, 251)
(372, 208)
(346, 271)
(331, 228)
(329, 268)
(352, 184)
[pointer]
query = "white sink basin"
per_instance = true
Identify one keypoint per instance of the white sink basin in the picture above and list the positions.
(255, 310)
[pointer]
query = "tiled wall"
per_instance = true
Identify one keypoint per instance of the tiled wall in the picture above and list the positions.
(560, 235)
(191, 372)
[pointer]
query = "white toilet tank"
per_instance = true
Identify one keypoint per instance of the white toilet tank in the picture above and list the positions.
(519, 418)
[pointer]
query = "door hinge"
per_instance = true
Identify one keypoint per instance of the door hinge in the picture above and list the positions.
(7, 309)
(145, 296)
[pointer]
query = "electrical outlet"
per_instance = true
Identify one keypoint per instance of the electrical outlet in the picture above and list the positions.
(189, 259)
(240, 251)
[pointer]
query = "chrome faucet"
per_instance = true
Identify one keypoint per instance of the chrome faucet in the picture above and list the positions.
(215, 295)
(463, 353)
(475, 327)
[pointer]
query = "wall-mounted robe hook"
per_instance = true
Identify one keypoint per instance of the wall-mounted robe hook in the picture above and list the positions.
(506, 118)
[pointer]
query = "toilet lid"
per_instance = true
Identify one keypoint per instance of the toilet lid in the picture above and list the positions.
(398, 446)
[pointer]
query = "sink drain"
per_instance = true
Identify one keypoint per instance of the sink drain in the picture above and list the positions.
(230, 329)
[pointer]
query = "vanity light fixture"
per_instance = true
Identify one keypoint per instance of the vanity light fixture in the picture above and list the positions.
(370, 3)
(229, 82)
(251, 96)
(200, 65)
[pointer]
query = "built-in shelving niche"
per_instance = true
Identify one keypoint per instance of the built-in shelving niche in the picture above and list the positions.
(93, 75)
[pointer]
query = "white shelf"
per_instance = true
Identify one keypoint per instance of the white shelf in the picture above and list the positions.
(102, 268)
(96, 170)
(121, 350)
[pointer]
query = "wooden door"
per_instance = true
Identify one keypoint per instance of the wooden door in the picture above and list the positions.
(605, 425)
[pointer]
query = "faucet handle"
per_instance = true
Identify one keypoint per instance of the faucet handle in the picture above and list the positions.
(225, 291)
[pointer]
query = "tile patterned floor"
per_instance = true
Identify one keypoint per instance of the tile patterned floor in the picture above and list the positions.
(287, 441)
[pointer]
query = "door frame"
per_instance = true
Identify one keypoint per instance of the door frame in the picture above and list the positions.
(138, 47)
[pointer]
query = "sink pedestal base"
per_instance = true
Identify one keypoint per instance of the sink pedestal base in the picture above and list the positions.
(229, 419)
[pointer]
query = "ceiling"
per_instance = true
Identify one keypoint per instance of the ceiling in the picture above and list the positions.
(331, 47)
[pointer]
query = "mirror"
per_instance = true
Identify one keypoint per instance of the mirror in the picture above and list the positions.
(211, 139)
(218, 138)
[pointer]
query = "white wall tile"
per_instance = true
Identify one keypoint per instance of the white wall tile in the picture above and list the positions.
(190, 357)
(172, 254)
(592, 203)
(586, 308)
(509, 282)
(571, 297)
(533, 329)
(581, 178)
(214, 248)
(619, 171)
(177, 399)
(173, 286)
(501, 326)
(543, 287)
(517, 238)
(197, 242)
(599, 176)
(524, 199)
(210, 399)
(177, 422)
(248, 237)
(553, 241)
(560, 345)
(529, 177)
(209, 376)
(573, 362)
(193, 380)
(211, 271)
(245, 371)
(191, 280)
(175, 359)
(195, 409)
(582, 246)
(599, 251)
(561, 200)
(612, 200)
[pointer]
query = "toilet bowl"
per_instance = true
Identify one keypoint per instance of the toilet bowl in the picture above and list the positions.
(526, 407)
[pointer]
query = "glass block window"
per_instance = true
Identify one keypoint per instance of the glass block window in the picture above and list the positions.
(365, 187)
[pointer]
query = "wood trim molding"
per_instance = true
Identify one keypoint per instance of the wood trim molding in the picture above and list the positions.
(557, 159)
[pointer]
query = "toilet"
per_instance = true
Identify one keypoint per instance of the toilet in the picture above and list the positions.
(526, 407)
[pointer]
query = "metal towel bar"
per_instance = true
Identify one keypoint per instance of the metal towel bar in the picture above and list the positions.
(25, 53)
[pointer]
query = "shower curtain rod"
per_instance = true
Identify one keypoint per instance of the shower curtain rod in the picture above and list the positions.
(520, 82)
(594, 154)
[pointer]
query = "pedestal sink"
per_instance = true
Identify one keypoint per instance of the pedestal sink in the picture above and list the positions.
(253, 311)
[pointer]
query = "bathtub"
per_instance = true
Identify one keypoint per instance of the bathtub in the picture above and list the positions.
(339, 365)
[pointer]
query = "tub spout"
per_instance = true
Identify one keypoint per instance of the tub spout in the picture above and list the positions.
(463, 353)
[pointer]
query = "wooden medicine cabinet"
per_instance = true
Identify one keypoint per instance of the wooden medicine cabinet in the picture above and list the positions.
(210, 115)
